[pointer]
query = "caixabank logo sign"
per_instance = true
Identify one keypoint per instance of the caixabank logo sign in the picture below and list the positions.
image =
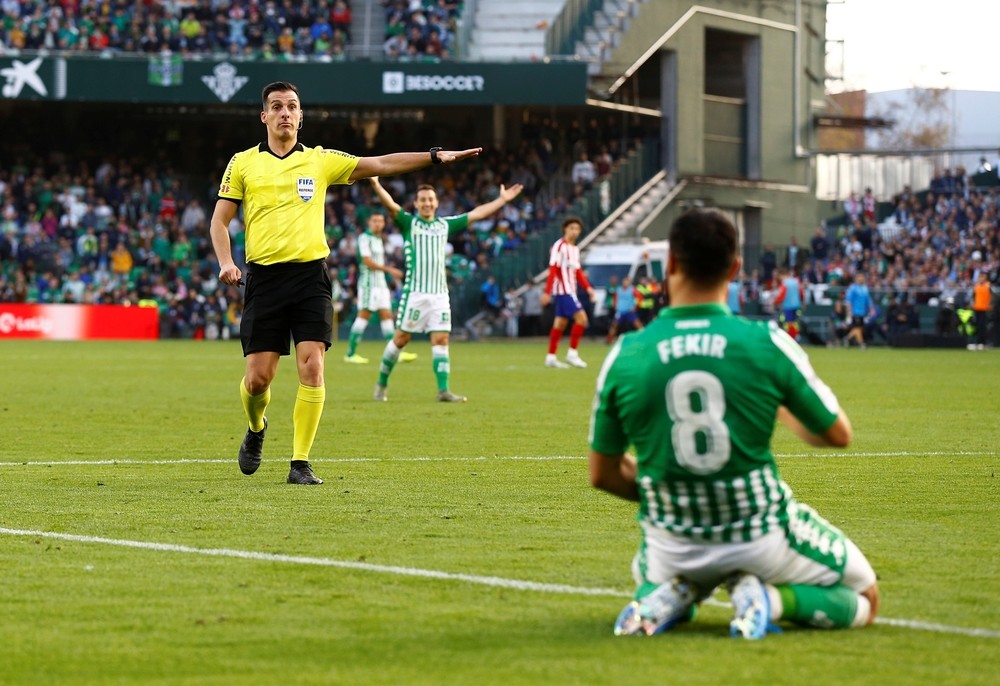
(36, 78)
(397, 83)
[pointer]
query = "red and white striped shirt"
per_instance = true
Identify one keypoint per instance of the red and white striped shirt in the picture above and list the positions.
(564, 269)
(869, 204)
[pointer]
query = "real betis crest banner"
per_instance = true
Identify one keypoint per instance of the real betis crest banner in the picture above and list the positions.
(166, 70)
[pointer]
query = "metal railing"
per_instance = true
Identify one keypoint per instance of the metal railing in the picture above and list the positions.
(569, 26)
(463, 37)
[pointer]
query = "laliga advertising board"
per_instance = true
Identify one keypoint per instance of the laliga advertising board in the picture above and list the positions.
(78, 322)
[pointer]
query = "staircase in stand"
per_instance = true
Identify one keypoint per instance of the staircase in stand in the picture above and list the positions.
(506, 30)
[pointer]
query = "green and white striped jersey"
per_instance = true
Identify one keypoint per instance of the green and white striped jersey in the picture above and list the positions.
(370, 245)
(696, 394)
(424, 250)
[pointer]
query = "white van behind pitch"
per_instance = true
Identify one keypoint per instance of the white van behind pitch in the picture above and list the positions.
(635, 260)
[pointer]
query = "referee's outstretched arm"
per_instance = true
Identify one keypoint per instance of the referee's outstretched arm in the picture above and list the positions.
(402, 162)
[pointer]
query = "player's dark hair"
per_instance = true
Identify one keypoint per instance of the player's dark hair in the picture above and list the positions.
(571, 220)
(276, 87)
(705, 244)
(426, 187)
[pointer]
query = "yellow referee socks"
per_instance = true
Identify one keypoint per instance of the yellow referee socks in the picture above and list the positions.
(254, 405)
(305, 419)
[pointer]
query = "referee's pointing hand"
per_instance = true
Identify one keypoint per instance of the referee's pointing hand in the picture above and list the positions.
(447, 156)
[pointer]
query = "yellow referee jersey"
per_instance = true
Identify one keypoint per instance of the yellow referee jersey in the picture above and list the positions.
(284, 199)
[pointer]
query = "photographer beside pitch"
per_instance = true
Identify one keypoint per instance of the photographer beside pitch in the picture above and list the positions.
(282, 186)
(697, 394)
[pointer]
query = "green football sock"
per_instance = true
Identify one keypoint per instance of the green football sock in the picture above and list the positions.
(357, 331)
(825, 607)
(442, 368)
(389, 358)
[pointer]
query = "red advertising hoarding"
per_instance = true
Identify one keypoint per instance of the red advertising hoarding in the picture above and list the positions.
(78, 322)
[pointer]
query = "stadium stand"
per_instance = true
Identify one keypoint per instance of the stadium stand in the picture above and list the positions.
(63, 218)
(277, 30)
(60, 223)
(923, 250)
(64, 213)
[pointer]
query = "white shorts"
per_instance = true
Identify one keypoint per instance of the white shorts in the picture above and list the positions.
(773, 558)
(374, 299)
(424, 313)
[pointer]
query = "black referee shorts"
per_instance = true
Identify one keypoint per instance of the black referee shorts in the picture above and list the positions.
(290, 300)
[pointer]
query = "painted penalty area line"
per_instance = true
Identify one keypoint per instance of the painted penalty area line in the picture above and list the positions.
(471, 458)
(494, 581)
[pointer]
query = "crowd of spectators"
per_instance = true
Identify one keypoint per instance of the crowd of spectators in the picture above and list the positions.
(282, 30)
(928, 250)
(121, 230)
(417, 30)
(126, 230)
(117, 233)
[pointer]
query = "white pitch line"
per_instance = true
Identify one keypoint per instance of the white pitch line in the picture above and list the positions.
(904, 623)
(185, 460)
(495, 581)
(325, 562)
(472, 458)
(939, 628)
(901, 453)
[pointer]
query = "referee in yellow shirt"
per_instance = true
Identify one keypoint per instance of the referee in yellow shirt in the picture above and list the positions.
(282, 186)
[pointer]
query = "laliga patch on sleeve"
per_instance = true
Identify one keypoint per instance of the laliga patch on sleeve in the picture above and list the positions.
(338, 152)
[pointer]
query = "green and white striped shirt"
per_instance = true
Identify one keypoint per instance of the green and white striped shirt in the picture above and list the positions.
(371, 246)
(696, 394)
(424, 250)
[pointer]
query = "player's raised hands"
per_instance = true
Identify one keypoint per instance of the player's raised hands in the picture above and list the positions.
(512, 192)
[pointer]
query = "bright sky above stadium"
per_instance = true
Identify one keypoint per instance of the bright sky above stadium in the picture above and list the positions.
(898, 44)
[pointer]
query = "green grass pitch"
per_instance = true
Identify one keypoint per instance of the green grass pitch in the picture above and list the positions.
(450, 544)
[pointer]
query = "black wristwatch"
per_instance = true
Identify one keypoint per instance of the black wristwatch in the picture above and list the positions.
(434, 156)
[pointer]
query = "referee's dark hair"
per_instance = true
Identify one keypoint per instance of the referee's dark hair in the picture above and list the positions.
(704, 243)
(278, 86)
